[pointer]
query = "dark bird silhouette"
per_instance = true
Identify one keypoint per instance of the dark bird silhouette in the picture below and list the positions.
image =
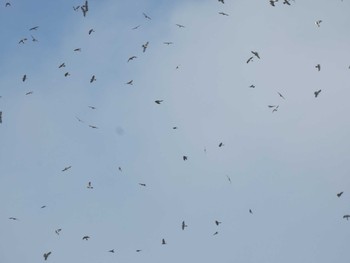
(217, 222)
(142, 184)
(272, 2)
(131, 58)
(136, 27)
(57, 231)
(93, 78)
(24, 78)
(228, 178)
(184, 157)
(174, 128)
(146, 16)
(85, 238)
(221, 144)
(93, 127)
(339, 194)
(89, 186)
(34, 39)
(180, 26)
(252, 86)
(77, 49)
(43, 206)
(316, 93)
(222, 13)
(91, 31)
(275, 109)
(76, 8)
(46, 255)
(216, 233)
(62, 65)
(318, 23)
(111, 251)
(168, 43)
(346, 216)
(29, 93)
(256, 54)
(0, 116)
(34, 28)
(318, 66)
(286, 2)
(271, 106)
(280, 95)
(250, 59)
(80, 120)
(66, 74)
(222, 1)
(92, 107)
(144, 46)
(129, 82)
(120, 169)
(13, 218)
(163, 242)
(138, 250)
(158, 101)
(66, 168)
(183, 225)
(7, 4)
(22, 40)
(250, 211)
(85, 8)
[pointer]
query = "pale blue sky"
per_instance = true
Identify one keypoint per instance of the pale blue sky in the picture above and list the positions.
(286, 166)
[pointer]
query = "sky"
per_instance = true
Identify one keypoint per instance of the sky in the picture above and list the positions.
(286, 166)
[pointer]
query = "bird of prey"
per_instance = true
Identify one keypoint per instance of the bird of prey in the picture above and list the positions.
(222, 1)
(221, 144)
(158, 101)
(89, 186)
(217, 222)
(280, 95)
(163, 242)
(184, 157)
(24, 77)
(111, 251)
(85, 238)
(7, 4)
(318, 66)
(92, 107)
(222, 13)
(228, 178)
(0, 116)
(22, 40)
(146, 16)
(76, 8)
(131, 58)
(250, 59)
(62, 65)
(46, 255)
(318, 23)
(346, 216)
(13, 218)
(142, 184)
(92, 79)
(180, 26)
(144, 46)
(34, 28)
(252, 86)
(66, 74)
(286, 2)
(66, 168)
(256, 54)
(91, 30)
(216, 233)
(43, 206)
(168, 43)
(93, 127)
(57, 231)
(250, 211)
(317, 93)
(339, 194)
(129, 82)
(77, 49)
(183, 225)
(29, 93)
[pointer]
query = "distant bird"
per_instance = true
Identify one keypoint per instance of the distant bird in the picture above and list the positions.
(144, 46)
(339, 194)
(252, 86)
(92, 79)
(138, 250)
(24, 78)
(76, 8)
(136, 27)
(13, 218)
(178, 66)
(92, 107)
(286, 2)
(228, 178)
(34, 28)
(217, 222)
(146, 16)
(183, 225)
(7, 4)
(77, 49)
(168, 43)
(158, 101)
(163, 242)
(180, 26)
(250, 211)
(221, 144)
(62, 65)
(93, 127)
(318, 23)
(91, 31)
(80, 120)
(46, 255)
(22, 40)
(256, 54)
(85, 238)
(280, 95)
(184, 157)
(89, 186)
(131, 58)
(346, 216)
(250, 59)
(174, 128)
(66, 168)
(0, 116)
(85, 8)
(271, 106)
(222, 1)
(34, 39)
(142, 184)
(318, 66)
(111, 251)
(222, 13)
(57, 231)
(275, 109)
(272, 2)
(43, 206)
(316, 93)
(29, 93)
(216, 233)
(66, 74)
(129, 82)
(120, 169)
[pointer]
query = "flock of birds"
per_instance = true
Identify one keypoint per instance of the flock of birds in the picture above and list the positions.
(84, 9)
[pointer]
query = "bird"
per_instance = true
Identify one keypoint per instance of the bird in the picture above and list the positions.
(252, 86)
(7, 4)
(92, 79)
(131, 58)
(180, 26)
(22, 40)
(174, 128)
(66, 74)
(217, 222)
(339, 194)
(34, 39)
(221, 144)
(46, 255)
(92, 107)
(216, 233)
(346, 216)
(34, 28)
(250, 211)
(317, 93)
(138, 250)
(62, 65)
(29, 93)
(142, 184)
(250, 59)
(183, 225)
(222, 13)
(286, 2)
(85, 8)
(13, 218)
(43, 206)
(91, 30)
(163, 242)
(280, 95)
(120, 169)
(129, 82)
(77, 49)
(111, 251)
(184, 157)
(57, 231)
(318, 23)
(85, 238)
(168, 43)
(0, 116)
(93, 127)
(89, 186)
(318, 66)
(256, 54)
(80, 120)
(66, 168)
(222, 1)
(228, 178)
(275, 109)
(24, 77)
(272, 2)
(146, 16)
(158, 101)
(144, 46)
(271, 106)
(76, 8)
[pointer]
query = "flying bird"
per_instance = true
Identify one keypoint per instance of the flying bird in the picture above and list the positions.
(216, 233)
(120, 169)
(271, 106)
(280, 95)
(92, 79)
(180, 26)
(144, 46)
(111, 251)
(62, 65)
(183, 225)
(138, 250)
(129, 82)
(163, 242)
(222, 13)
(346, 216)
(221, 144)
(339, 194)
(13, 218)
(272, 2)
(29, 93)
(57, 231)
(34, 28)
(22, 40)
(85, 238)
(318, 66)
(256, 54)
(184, 157)
(66, 74)
(46, 255)
(252, 86)
(286, 2)
(66, 168)
(136, 27)
(217, 222)
(34, 39)
(146, 16)
(0, 116)
(228, 178)
(7, 4)
(24, 78)
(142, 184)
(316, 93)
(76, 8)
(91, 30)
(275, 109)
(77, 49)
(43, 206)
(131, 58)
(250, 211)
(158, 101)
(93, 127)
(80, 120)
(222, 1)
(174, 128)
(89, 186)
(250, 59)
(168, 43)
(92, 107)
(318, 23)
